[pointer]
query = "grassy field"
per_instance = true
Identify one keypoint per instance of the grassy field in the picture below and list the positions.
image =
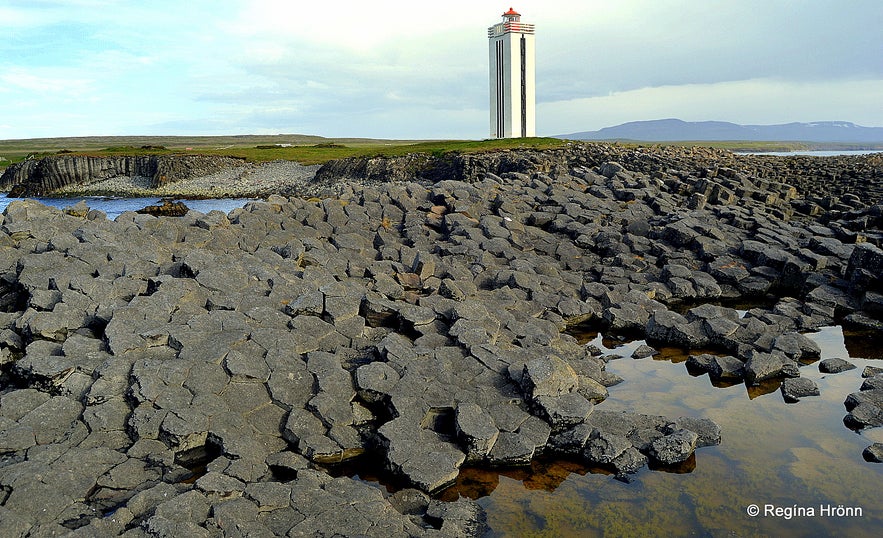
(316, 149)
(301, 148)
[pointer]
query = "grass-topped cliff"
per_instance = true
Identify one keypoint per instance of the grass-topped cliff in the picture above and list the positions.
(300, 148)
(304, 149)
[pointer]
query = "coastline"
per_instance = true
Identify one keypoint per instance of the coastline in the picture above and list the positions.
(251, 180)
(213, 367)
(287, 177)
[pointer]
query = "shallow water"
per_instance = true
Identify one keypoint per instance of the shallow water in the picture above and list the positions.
(786, 455)
(114, 206)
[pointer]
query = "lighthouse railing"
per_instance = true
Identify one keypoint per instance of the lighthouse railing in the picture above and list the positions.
(506, 27)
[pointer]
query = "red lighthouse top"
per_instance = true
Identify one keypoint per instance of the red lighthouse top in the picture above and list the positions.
(511, 23)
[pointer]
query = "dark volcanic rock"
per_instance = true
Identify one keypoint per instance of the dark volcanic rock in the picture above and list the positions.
(548, 376)
(674, 448)
(874, 453)
(644, 351)
(795, 389)
(415, 314)
(762, 366)
(835, 366)
(167, 208)
(719, 368)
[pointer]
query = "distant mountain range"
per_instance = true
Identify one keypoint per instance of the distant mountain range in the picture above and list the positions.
(669, 130)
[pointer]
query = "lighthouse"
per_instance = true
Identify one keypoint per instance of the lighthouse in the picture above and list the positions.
(512, 87)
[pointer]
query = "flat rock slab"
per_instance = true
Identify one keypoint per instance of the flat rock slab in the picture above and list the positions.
(421, 455)
(644, 351)
(793, 389)
(874, 453)
(835, 366)
(674, 448)
(548, 376)
(764, 366)
(476, 430)
(870, 383)
(864, 415)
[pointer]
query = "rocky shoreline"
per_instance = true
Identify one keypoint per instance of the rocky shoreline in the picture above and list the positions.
(198, 375)
(227, 179)
(837, 183)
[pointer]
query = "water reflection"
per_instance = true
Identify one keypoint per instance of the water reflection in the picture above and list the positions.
(771, 453)
(113, 207)
(542, 475)
(865, 344)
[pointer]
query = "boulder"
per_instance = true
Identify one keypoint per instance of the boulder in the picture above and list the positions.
(564, 411)
(865, 256)
(672, 328)
(796, 346)
(763, 366)
(476, 431)
(511, 449)
(423, 457)
(835, 366)
(864, 415)
(870, 383)
(874, 453)
(708, 431)
(726, 368)
(604, 447)
(673, 448)
(548, 375)
(643, 351)
(793, 389)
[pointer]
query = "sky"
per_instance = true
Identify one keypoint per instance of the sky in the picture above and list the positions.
(419, 70)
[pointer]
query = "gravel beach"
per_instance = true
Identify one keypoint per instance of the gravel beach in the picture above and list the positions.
(251, 180)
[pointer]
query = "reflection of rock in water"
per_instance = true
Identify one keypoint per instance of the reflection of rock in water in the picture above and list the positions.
(684, 467)
(865, 344)
(769, 448)
(764, 387)
(542, 475)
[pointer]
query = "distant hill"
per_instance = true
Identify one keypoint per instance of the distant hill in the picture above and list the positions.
(670, 130)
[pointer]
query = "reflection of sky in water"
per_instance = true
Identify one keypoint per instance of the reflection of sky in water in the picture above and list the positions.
(772, 452)
(114, 206)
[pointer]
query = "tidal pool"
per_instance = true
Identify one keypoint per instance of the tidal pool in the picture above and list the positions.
(798, 458)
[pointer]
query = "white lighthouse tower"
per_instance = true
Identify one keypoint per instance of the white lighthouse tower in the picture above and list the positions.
(512, 87)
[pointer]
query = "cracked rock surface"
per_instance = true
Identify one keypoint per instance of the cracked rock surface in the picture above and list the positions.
(197, 375)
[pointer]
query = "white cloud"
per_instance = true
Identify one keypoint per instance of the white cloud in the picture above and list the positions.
(353, 25)
(393, 69)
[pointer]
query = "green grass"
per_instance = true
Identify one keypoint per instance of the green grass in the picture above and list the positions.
(320, 153)
(303, 149)
(308, 149)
